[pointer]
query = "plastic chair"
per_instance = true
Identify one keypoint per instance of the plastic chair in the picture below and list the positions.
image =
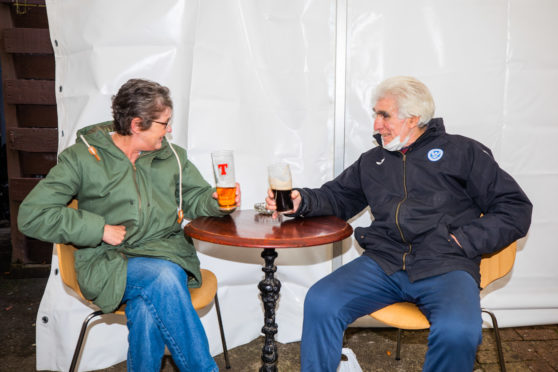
(201, 297)
(406, 315)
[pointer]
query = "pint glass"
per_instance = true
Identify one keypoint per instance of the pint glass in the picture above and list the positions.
(223, 168)
(280, 182)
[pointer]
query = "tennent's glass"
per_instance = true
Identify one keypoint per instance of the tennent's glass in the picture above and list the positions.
(280, 181)
(223, 168)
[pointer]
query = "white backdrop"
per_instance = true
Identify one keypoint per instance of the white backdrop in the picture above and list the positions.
(275, 80)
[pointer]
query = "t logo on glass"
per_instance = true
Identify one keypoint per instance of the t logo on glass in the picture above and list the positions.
(223, 168)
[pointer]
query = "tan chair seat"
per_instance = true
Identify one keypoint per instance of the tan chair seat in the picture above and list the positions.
(406, 315)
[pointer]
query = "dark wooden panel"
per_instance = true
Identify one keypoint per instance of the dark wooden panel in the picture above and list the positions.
(28, 13)
(33, 139)
(39, 92)
(27, 40)
(34, 66)
(20, 187)
(28, 2)
(38, 252)
(35, 16)
(41, 116)
(36, 163)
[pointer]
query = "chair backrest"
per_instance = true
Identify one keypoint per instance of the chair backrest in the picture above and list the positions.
(66, 266)
(496, 265)
(66, 261)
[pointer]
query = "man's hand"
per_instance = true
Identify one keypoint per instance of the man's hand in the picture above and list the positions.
(272, 206)
(114, 234)
(457, 241)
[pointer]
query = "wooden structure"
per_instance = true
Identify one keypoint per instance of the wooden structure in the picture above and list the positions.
(27, 62)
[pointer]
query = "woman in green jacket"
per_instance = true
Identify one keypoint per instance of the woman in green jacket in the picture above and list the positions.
(133, 189)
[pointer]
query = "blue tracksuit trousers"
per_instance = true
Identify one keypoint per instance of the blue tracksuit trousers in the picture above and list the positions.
(450, 301)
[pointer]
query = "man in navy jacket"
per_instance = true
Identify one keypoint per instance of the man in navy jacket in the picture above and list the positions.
(439, 202)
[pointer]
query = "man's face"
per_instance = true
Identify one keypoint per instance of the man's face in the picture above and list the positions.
(387, 122)
(152, 138)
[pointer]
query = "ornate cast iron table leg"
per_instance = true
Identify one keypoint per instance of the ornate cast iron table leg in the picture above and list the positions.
(269, 289)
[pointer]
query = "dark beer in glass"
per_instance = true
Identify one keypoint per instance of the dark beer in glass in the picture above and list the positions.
(280, 182)
(283, 200)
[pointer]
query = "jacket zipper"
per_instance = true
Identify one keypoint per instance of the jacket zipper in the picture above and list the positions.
(137, 188)
(399, 206)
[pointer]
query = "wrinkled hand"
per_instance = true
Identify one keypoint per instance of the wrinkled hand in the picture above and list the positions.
(237, 198)
(272, 206)
(114, 234)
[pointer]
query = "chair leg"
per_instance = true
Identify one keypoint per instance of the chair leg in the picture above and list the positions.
(225, 351)
(498, 340)
(84, 325)
(398, 350)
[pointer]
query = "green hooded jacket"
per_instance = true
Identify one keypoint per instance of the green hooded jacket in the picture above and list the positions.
(142, 197)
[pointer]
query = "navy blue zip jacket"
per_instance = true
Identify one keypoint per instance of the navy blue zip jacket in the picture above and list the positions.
(440, 186)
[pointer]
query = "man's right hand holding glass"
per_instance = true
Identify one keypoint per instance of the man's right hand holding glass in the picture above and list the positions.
(272, 206)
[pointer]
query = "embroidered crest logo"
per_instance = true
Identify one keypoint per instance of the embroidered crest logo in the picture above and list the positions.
(435, 154)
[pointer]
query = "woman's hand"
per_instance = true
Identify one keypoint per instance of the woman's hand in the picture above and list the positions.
(114, 234)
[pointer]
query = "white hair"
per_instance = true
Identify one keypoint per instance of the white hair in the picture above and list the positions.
(412, 96)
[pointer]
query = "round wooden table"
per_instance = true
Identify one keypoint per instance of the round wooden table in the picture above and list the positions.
(248, 228)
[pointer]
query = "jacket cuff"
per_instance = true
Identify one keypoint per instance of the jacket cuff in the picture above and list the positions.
(303, 208)
(92, 231)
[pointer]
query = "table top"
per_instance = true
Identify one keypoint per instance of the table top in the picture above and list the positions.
(248, 228)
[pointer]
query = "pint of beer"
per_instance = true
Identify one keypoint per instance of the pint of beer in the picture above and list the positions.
(280, 182)
(223, 168)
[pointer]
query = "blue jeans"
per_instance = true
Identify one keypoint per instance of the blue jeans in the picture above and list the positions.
(159, 312)
(451, 302)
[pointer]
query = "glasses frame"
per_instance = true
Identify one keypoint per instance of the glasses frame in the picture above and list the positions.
(162, 123)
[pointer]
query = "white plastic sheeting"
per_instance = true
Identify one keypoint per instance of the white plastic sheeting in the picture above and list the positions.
(265, 79)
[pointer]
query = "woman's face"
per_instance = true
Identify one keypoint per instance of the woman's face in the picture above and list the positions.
(152, 138)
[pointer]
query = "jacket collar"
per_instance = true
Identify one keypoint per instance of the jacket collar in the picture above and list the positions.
(99, 135)
(434, 128)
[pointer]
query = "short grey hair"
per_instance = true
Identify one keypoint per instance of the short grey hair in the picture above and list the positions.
(139, 98)
(413, 98)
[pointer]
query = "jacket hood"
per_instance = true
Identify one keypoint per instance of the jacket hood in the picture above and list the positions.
(99, 135)
(434, 127)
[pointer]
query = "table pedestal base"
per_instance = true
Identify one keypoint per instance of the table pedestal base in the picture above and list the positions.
(269, 289)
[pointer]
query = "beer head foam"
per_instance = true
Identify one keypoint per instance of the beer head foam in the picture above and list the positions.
(279, 184)
(279, 175)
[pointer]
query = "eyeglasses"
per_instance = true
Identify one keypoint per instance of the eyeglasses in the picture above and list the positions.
(162, 123)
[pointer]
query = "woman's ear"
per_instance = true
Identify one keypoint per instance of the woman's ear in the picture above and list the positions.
(135, 125)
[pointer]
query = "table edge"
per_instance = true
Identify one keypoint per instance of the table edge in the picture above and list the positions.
(346, 232)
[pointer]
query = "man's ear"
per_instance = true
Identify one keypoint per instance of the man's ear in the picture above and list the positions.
(135, 125)
(413, 121)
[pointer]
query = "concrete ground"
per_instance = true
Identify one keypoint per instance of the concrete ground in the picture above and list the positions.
(525, 348)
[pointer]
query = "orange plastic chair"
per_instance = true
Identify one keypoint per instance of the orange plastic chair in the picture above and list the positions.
(201, 297)
(406, 315)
